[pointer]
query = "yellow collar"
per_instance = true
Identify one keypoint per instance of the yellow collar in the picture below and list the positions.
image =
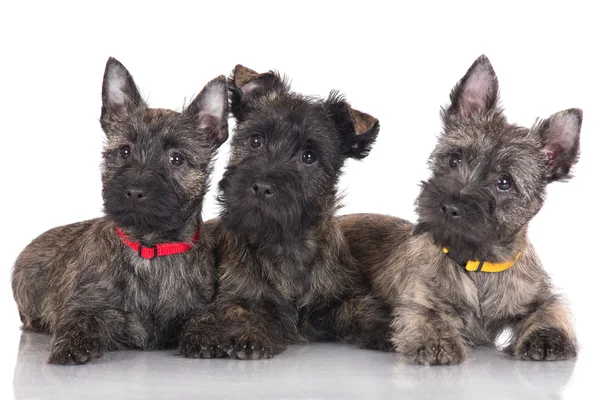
(483, 266)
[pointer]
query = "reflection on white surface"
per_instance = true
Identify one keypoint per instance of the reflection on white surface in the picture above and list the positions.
(322, 370)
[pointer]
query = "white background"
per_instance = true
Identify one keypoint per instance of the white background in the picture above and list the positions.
(397, 62)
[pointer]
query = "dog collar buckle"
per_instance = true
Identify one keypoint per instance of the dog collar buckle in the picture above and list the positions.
(146, 256)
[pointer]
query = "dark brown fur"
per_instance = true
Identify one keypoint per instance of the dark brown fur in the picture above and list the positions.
(286, 274)
(440, 310)
(80, 282)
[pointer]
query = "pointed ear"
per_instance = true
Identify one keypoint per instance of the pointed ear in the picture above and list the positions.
(246, 85)
(358, 130)
(560, 142)
(120, 95)
(477, 92)
(210, 110)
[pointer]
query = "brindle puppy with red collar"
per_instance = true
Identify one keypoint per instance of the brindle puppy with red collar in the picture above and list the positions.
(90, 284)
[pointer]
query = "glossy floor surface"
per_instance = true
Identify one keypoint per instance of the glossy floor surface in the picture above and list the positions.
(315, 371)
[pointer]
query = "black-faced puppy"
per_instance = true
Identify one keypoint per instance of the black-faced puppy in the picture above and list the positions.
(285, 271)
(131, 278)
(467, 271)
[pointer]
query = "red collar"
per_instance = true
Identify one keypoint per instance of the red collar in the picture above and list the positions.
(157, 250)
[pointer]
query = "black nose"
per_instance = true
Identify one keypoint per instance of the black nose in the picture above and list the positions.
(135, 194)
(451, 211)
(263, 189)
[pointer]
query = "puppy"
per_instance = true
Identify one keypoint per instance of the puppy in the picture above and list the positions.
(132, 278)
(286, 274)
(466, 271)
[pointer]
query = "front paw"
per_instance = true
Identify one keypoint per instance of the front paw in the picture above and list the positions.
(251, 347)
(548, 344)
(432, 351)
(75, 348)
(200, 343)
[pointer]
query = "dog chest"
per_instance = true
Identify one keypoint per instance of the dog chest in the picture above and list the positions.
(163, 288)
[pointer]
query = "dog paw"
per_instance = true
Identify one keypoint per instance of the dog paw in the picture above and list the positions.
(202, 344)
(251, 348)
(547, 344)
(434, 351)
(75, 349)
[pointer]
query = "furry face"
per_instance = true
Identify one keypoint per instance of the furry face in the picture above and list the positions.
(156, 162)
(287, 153)
(488, 176)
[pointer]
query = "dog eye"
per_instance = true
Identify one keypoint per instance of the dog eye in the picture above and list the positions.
(309, 157)
(125, 151)
(176, 159)
(455, 160)
(504, 183)
(255, 141)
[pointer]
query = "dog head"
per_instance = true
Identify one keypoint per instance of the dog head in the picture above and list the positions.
(156, 162)
(489, 177)
(286, 155)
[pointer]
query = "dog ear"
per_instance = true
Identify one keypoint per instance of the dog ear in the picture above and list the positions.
(560, 142)
(246, 86)
(476, 93)
(211, 110)
(358, 130)
(120, 95)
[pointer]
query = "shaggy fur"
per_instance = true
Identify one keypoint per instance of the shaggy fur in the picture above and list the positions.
(80, 282)
(488, 181)
(285, 271)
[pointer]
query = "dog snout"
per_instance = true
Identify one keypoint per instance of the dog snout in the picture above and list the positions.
(451, 210)
(135, 194)
(263, 189)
